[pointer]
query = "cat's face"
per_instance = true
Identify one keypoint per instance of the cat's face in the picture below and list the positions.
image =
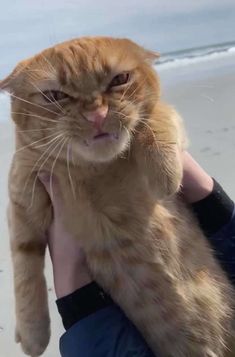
(86, 96)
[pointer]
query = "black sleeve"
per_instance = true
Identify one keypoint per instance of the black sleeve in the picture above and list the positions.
(214, 211)
(216, 215)
(81, 303)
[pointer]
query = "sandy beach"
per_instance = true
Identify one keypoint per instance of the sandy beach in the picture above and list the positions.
(204, 94)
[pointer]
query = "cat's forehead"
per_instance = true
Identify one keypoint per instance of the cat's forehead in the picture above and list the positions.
(83, 64)
(86, 62)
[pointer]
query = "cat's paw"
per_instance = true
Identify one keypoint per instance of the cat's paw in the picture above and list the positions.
(33, 337)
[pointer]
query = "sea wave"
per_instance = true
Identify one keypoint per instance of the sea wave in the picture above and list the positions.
(195, 55)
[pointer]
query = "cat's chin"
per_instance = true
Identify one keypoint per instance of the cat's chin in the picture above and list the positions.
(103, 148)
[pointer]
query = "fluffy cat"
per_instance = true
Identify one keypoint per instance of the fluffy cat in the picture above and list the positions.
(89, 111)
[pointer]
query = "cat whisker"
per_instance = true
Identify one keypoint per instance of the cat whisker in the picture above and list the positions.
(136, 88)
(71, 121)
(56, 103)
(157, 142)
(31, 114)
(33, 143)
(37, 162)
(120, 126)
(42, 145)
(119, 113)
(134, 91)
(40, 168)
(34, 104)
(68, 169)
(53, 165)
(33, 130)
(123, 94)
(136, 101)
(54, 71)
(131, 103)
(37, 71)
(143, 121)
(129, 140)
(150, 129)
(147, 98)
(72, 158)
(41, 71)
(50, 73)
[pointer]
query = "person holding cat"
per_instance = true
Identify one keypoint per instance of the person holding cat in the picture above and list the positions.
(114, 149)
(94, 325)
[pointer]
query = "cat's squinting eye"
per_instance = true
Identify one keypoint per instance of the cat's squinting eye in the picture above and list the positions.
(120, 80)
(51, 96)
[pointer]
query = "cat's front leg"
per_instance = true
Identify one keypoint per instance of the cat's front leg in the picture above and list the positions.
(28, 253)
(158, 145)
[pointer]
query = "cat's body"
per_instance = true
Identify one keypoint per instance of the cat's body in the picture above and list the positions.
(141, 242)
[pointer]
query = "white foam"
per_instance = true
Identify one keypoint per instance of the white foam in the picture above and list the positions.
(180, 62)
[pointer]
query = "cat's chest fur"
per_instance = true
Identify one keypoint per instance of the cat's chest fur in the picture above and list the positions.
(111, 201)
(110, 214)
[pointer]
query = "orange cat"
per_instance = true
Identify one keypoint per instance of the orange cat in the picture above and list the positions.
(89, 111)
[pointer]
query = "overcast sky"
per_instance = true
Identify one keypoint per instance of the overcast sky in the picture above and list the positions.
(27, 26)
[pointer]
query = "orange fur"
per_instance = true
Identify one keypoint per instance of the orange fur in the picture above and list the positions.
(141, 241)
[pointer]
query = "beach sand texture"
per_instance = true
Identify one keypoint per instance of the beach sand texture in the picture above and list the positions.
(204, 94)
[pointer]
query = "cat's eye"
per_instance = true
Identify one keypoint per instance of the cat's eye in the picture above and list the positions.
(51, 96)
(120, 79)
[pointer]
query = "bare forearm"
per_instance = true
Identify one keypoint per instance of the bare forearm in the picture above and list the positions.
(196, 183)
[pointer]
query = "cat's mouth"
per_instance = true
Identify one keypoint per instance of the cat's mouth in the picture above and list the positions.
(101, 137)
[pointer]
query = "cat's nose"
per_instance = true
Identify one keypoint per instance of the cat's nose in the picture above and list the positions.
(97, 116)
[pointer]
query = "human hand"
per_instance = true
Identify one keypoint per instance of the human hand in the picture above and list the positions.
(69, 264)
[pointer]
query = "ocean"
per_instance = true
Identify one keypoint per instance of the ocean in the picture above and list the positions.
(186, 57)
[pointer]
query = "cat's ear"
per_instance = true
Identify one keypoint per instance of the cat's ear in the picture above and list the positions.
(146, 55)
(151, 56)
(5, 84)
(11, 81)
